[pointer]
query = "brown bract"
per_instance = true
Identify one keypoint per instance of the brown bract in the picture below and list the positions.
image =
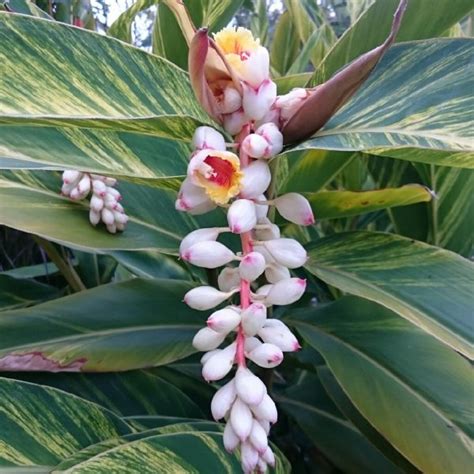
(326, 99)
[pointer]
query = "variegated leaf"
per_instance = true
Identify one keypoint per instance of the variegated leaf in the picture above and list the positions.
(336, 204)
(122, 326)
(42, 425)
(127, 89)
(415, 106)
(430, 287)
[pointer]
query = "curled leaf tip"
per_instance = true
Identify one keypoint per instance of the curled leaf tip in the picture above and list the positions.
(326, 99)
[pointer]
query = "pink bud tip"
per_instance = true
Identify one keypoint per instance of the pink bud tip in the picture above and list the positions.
(235, 229)
(302, 282)
(296, 346)
(185, 256)
(309, 220)
(277, 358)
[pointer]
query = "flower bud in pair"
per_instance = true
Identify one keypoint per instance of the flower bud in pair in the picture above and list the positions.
(257, 101)
(276, 332)
(295, 208)
(208, 138)
(206, 339)
(208, 254)
(219, 364)
(266, 142)
(266, 410)
(224, 320)
(255, 180)
(223, 400)
(287, 252)
(198, 235)
(242, 216)
(266, 355)
(250, 389)
(253, 318)
(285, 292)
(203, 298)
(252, 266)
(248, 457)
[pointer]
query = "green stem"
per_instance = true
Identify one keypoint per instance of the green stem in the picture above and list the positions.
(63, 264)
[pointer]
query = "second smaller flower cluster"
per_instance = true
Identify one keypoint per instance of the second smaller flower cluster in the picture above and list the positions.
(104, 204)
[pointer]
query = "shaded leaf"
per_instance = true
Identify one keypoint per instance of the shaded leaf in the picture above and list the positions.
(426, 285)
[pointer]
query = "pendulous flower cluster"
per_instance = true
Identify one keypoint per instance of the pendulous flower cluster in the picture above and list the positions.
(241, 334)
(104, 203)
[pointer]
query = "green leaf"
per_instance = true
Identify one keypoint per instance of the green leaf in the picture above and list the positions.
(409, 386)
(344, 404)
(285, 45)
(312, 170)
(430, 287)
(131, 393)
(120, 326)
(415, 106)
(42, 425)
(308, 403)
(26, 7)
(17, 293)
(128, 89)
(121, 28)
(288, 82)
(371, 29)
(32, 271)
(336, 204)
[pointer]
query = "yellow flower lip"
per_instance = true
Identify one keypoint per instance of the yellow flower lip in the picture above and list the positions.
(218, 172)
(239, 41)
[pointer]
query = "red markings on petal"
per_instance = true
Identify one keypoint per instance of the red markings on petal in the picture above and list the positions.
(222, 171)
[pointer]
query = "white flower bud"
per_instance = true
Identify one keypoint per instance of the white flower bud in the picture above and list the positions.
(206, 339)
(193, 199)
(271, 231)
(208, 138)
(261, 466)
(231, 440)
(248, 457)
(269, 457)
(258, 437)
(208, 254)
(231, 100)
(252, 266)
(255, 145)
(251, 343)
(99, 187)
(276, 272)
(110, 202)
(257, 102)
(256, 67)
(241, 419)
(71, 177)
(76, 195)
(291, 102)
(84, 185)
(256, 179)
(208, 355)
(94, 217)
(120, 218)
(198, 235)
(264, 290)
(222, 400)
(234, 122)
(219, 365)
(241, 216)
(203, 298)
(253, 318)
(112, 228)
(261, 209)
(107, 216)
(96, 203)
(120, 226)
(274, 138)
(250, 388)
(286, 291)
(266, 355)
(295, 208)
(265, 424)
(266, 410)
(224, 320)
(110, 181)
(266, 254)
(287, 252)
(276, 332)
(113, 192)
(228, 279)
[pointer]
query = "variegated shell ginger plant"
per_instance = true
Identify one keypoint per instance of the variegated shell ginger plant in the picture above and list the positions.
(230, 76)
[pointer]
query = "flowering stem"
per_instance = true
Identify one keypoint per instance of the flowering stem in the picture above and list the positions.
(246, 241)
